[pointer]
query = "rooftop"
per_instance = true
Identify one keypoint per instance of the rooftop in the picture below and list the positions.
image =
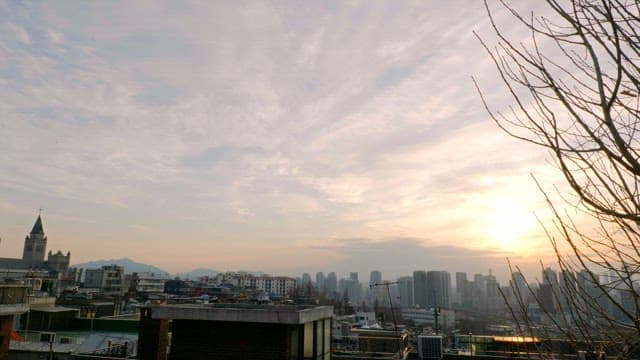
(275, 314)
(54, 309)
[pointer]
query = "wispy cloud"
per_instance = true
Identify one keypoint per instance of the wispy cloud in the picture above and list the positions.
(255, 123)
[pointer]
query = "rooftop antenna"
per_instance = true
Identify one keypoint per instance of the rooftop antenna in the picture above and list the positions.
(393, 314)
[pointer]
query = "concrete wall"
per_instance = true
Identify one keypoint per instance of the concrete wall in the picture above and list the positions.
(194, 339)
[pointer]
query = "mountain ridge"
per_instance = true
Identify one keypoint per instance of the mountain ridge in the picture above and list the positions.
(130, 266)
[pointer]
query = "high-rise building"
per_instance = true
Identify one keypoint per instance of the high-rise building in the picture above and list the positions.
(519, 284)
(350, 289)
(320, 284)
(519, 295)
(405, 291)
(438, 288)
(545, 298)
(378, 292)
(353, 276)
(548, 289)
(463, 291)
(446, 289)
(495, 300)
(479, 283)
(567, 289)
(549, 276)
(375, 277)
(306, 279)
(420, 288)
(479, 292)
(461, 279)
(331, 283)
(433, 283)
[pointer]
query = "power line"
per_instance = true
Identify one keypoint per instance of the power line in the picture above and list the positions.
(393, 315)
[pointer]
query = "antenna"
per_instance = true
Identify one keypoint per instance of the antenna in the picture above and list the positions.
(393, 314)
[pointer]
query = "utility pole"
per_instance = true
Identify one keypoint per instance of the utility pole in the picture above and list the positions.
(393, 315)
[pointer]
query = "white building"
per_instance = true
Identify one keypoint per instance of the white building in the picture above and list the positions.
(148, 283)
(446, 318)
(367, 319)
(109, 279)
(273, 285)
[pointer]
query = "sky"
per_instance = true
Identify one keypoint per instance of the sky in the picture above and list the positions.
(285, 136)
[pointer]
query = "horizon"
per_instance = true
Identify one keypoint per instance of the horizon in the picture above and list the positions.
(530, 272)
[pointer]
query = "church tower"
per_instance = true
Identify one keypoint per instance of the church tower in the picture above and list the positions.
(35, 245)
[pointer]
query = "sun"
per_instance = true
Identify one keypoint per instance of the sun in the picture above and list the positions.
(507, 223)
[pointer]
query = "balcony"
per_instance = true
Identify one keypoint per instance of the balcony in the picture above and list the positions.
(14, 299)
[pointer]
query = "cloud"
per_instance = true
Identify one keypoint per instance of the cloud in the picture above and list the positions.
(21, 34)
(348, 188)
(256, 123)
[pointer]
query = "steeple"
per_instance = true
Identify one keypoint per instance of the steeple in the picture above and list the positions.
(35, 245)
(37, 227)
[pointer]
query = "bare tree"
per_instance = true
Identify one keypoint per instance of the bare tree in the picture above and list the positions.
(575, 86)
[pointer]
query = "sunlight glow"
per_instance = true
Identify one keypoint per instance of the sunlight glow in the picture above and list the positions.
(507, 223)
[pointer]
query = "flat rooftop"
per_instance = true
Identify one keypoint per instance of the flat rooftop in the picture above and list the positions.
(273, 314)
(54, 309)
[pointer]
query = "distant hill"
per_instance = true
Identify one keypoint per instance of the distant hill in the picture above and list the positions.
(197, 273)
(254, 272)
(200, 272)
(129, 266)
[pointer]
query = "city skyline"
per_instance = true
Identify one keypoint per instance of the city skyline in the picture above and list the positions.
(286, 138)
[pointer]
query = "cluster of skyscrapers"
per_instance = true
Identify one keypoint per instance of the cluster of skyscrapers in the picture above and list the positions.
(423, 289)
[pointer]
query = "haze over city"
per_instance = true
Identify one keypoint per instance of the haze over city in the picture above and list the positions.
(286, 137)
